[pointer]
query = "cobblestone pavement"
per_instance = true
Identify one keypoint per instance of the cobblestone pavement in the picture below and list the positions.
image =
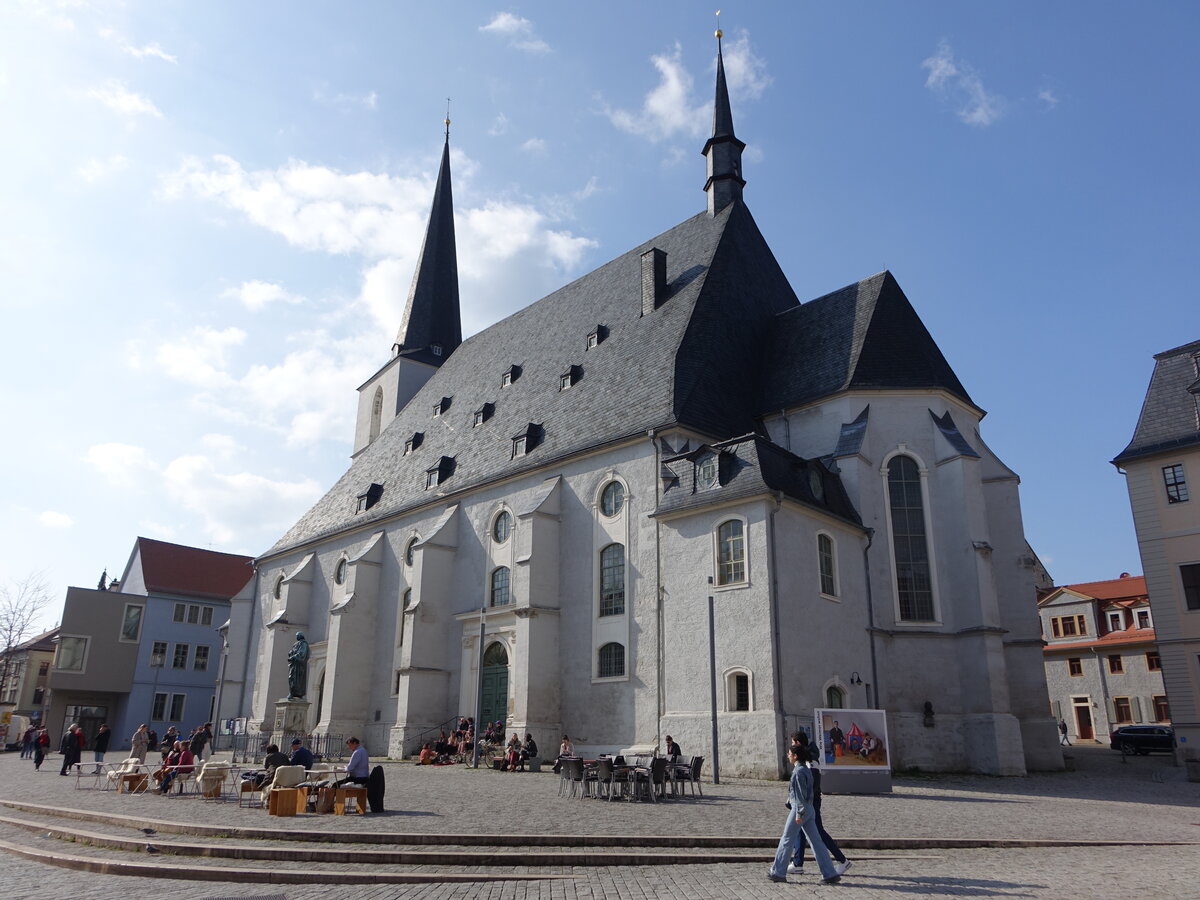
(1146, 798)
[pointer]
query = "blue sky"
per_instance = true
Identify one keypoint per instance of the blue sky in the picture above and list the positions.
(209, 215)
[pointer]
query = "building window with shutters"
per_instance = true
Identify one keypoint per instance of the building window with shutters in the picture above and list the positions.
(1122, 710)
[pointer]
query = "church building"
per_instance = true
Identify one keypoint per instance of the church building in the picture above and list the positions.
(535, 519)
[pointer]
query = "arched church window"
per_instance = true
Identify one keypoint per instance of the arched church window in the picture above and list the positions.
(376, 413)
(612, 580)
(835, 698)
(826, 565)
(277, 591)
(910, 546)
(495, 655)
(408, 551)
(339, 573)
(499, 592)
(731, 552)
(611, 661)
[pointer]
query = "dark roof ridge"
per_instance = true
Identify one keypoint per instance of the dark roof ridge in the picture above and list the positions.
(1193, 346)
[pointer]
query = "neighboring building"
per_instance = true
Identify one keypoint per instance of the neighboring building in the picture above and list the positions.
(1103, 668)
(27, 684)
(1162, 472)
(588, 471)
(149, 651)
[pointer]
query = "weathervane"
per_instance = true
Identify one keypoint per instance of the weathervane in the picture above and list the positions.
(718, 32)
(447, 118)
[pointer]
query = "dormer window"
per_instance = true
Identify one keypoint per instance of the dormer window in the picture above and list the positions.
(413, 442)
(435, 349)
(596, 337)
(436, 475)
(511, 374)
(524, 442)
(441, 406)
(369, 497)
(484, 413)
(570, 377)
(706, 471)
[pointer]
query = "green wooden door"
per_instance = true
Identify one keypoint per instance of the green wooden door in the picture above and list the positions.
(494, 707)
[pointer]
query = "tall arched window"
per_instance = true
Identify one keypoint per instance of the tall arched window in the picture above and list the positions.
(731, 552)
(825, 564)
(612, 580)
(611, 661)
(376, 413)
(499, 593)
(909, 543)
(737, 691)
(834, 698)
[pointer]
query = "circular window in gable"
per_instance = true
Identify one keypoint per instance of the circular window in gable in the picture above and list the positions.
(502, 527)
(706, 472)
(612, 500)
(339, 573)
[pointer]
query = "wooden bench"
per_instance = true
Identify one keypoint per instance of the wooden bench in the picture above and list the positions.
(357, 794)
(286, 801)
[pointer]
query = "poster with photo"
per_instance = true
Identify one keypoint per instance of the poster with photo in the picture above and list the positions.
(853, 739)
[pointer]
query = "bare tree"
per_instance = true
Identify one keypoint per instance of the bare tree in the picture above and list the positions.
(21, 603)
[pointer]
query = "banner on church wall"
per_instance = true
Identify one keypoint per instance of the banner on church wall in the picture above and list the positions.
(853, 739)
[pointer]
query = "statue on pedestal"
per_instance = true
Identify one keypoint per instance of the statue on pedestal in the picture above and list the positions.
(298, 668)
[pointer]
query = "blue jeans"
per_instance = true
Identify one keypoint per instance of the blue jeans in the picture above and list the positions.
(830, 843)
(791, 837)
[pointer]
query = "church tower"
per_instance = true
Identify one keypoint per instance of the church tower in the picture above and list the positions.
(431, 329)
(723, 150)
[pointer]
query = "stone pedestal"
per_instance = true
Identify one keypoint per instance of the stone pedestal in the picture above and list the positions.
(291, 716)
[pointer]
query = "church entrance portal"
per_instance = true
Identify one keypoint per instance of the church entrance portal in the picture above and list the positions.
(494, 687)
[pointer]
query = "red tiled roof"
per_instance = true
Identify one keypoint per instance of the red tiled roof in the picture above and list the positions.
(1113, 638)
(1112, 589)
(175, 569)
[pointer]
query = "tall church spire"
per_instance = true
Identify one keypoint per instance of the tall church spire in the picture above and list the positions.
(432, 326)
(723, 150)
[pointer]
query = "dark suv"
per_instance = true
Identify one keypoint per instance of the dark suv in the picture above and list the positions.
(1143, 739)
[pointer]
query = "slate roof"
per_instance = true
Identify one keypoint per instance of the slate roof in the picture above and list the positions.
(43, 642)
(750, 466)
(866, 335)
(192, 571)
(1170, 417)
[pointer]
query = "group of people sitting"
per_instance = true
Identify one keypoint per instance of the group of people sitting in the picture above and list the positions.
(457, 746)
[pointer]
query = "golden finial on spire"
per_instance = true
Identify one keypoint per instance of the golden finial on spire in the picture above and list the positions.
(447, 118)
(719, 33)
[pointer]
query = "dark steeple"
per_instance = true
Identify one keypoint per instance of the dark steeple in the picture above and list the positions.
(432, 328)
(723, 150)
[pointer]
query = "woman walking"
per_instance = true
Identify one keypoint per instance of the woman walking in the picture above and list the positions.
(801, 817)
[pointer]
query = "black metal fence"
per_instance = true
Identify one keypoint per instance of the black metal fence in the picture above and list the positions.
(249, 748)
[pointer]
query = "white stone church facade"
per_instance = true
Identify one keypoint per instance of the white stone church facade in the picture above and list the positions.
(672, 426)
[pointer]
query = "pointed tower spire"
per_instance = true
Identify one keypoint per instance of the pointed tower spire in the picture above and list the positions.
(432, 326)
(723, 150)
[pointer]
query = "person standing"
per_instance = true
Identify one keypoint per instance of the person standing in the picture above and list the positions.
(100, 747)
(41, 741)
(800, 818)
(201, 740)
(72, 748)
(27, 742)
(1064, 741)
(139, 743)
(796, 867)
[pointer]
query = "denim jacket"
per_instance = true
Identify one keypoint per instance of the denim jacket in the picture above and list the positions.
(800, 791)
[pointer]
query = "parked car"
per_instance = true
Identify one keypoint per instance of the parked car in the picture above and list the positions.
(1143, 739)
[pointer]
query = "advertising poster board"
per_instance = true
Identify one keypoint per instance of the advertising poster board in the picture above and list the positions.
(855, 754)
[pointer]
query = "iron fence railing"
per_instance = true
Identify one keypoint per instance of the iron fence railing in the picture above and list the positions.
(248, 748)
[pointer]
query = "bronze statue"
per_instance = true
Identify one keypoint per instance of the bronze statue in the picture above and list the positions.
(298, 668)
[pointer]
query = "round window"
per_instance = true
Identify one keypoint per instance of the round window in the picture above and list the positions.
(408, 551)
(612, 500)
(407, 598)
(502, 527)
(706, 472)
(278, 591)
(339, 574)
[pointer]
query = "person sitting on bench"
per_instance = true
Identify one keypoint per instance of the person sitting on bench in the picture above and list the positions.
(358, 770)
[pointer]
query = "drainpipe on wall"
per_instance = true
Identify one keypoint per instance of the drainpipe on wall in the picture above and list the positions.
(659, 645)
(871, 618)
(773, 600)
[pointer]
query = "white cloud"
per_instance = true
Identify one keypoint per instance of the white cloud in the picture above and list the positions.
(229, 504)
(499, 126)
(51, 519)
(1048, 98)
(122, 465)
(520, 32)
(957, 83)
(202, 357)
(369, 100)
(223, 446)
(255, 295)
(120, 99)
(95, 169)
(149, 50)
(672, 106)
(535, 146)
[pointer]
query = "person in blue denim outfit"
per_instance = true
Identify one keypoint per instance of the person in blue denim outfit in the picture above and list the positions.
(801, 817)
